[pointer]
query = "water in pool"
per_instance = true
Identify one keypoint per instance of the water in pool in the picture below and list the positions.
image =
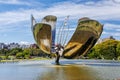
(68, 70)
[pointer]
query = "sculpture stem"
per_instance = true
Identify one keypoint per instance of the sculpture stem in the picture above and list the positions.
(57, 59)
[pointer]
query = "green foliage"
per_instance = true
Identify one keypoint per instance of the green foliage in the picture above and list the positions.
(4, 52)
(14, 51)
(109, 49)
(11, 57)
(118, 49)
(26, 51)
(20, 55)
(26, 56)
(2, 57)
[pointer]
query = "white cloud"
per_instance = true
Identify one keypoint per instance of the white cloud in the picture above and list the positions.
(109, 26)
(90, 3)
(102, 10)
(104, 32)
(24, 42)
(14, 16)
(116, 35)
(116, 1)
(111, 30)
(22, 2)
(16, 2)
(76, 11)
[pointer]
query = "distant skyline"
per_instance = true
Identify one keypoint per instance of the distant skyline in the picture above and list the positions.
(15, 23)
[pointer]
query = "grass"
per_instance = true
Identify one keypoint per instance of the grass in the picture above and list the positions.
(4, 61)
(18, 60)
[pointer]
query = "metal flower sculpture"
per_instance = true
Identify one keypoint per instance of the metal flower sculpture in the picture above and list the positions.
(84, 38)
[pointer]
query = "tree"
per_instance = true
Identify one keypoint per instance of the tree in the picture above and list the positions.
(19, 55)
(109, 49)
(106, 50)
(14, 51)
(26, 53)
(118, 50)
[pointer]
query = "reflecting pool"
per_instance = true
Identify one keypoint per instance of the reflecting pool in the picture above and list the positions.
(68, 70)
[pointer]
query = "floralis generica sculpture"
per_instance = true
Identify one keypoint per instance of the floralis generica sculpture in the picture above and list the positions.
(83, 39)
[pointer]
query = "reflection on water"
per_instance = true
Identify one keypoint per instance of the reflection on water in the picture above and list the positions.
(70, 72)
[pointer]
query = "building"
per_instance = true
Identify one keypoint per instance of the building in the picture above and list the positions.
(24, 46)
(2, 45)
(35, 46)
(13, 45)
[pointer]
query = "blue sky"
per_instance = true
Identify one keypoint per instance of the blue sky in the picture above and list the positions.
(15, 24)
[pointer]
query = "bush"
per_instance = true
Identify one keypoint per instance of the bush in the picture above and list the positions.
(26, 56)
(118, 58)
(2, 57)
(19, 55)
